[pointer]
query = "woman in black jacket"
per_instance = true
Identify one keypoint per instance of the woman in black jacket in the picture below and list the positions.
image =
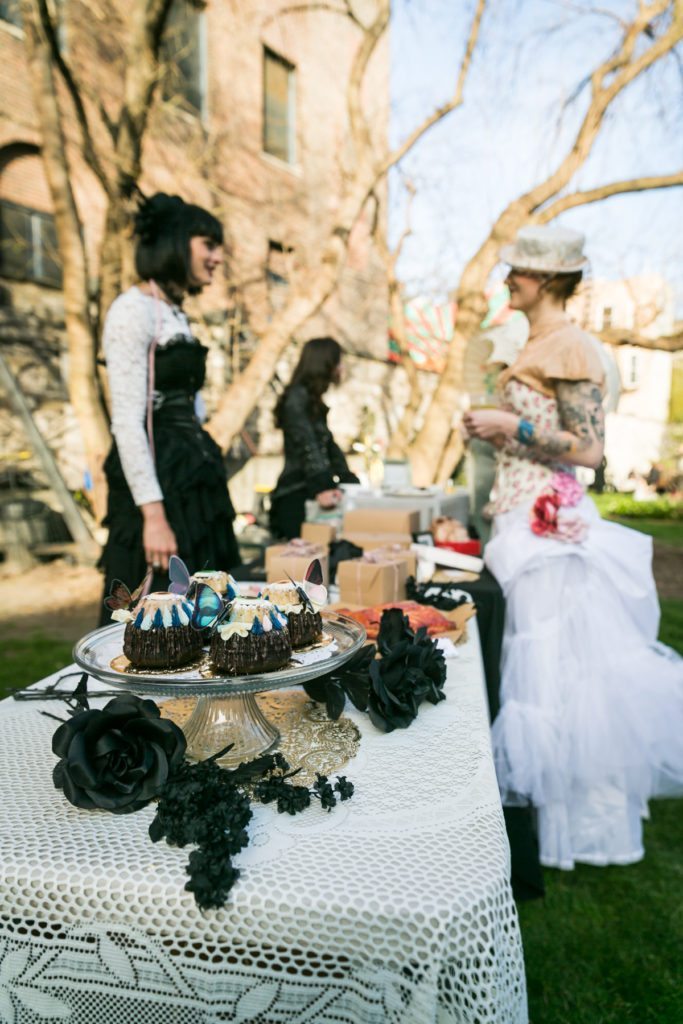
(314, 463)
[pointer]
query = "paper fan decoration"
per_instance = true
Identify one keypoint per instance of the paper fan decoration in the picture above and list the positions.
(429, 331)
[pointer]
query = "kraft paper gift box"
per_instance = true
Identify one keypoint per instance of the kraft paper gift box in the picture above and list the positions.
(319, 533)
(382, 520)
(293, 559)
(370, 583)
(396, 546)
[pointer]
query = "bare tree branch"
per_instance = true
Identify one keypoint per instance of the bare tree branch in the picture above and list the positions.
(619, 336)
(360, 131)
(608, 80)
(89, 152)
(624, 70)
(594, 195)
(437, 115)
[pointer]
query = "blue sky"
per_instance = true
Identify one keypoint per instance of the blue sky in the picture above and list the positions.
(516, 122)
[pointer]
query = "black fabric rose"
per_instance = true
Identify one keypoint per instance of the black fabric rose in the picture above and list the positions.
(117, 758)
(350, 680)
(412, 669)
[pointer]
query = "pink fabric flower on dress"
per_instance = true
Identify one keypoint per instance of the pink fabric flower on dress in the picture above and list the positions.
(568, 488)
(544, 514)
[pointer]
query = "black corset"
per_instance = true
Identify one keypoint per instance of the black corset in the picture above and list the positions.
(180, 366)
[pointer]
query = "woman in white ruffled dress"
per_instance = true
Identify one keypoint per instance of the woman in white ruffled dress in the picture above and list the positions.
(591, 719)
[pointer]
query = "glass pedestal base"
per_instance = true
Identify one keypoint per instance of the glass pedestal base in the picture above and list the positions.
(237, 719)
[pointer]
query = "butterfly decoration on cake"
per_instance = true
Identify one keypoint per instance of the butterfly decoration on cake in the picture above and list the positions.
(179, 576)
(209, 607)
(183, 583)
(311, 591)
(121, 602)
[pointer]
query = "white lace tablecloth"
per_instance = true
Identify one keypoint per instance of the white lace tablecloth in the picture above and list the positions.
(396, 907)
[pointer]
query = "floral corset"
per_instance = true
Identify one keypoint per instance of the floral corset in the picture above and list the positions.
(523, 473)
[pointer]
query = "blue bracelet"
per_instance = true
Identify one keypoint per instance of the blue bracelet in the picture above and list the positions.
(525, 432)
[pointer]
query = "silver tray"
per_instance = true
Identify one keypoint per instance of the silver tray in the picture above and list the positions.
(96, 651)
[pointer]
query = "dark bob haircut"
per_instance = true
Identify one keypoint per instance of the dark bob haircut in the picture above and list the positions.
(164, 226)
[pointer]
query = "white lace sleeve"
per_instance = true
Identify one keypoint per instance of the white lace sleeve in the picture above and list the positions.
(128, 333)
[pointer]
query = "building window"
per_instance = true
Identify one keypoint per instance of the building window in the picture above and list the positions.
(10, 12)
(606, 318)
(183, 53)
(277, 273)
(28, 245)
(279, 104)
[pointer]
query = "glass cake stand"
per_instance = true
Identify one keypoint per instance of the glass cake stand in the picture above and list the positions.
(226, 711)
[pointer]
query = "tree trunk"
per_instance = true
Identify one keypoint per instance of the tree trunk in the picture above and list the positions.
(398, 447)
(81, 382)
(245, 391)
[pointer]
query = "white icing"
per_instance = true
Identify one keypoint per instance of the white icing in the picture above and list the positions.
(228, 629)
(163, 602)
(122, 615)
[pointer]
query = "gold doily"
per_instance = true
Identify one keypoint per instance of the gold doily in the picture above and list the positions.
(308, 738)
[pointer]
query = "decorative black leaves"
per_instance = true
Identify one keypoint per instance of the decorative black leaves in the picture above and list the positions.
(391, 688)
(205, 805)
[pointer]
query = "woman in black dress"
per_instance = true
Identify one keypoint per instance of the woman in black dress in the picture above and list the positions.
(168, 492)
(314, 464)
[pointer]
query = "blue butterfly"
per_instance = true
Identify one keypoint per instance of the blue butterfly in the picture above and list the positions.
(209, 608)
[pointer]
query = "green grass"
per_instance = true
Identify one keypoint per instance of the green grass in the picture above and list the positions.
(671, 626)
(626, 506)
(25, 660)
(661, 518)
(663, 531)
(604, 946)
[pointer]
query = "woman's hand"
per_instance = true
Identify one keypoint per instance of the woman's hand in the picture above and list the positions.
(492, 425)
(329, 499)
(158, 538)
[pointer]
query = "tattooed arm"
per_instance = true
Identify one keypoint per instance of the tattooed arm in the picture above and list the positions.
(580, 442)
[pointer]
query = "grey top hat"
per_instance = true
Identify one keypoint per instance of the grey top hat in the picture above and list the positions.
(552, 250)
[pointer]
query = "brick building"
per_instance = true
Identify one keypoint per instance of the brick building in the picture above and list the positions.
(250, 121)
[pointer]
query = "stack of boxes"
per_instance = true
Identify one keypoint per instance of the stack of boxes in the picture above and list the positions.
(385, 536)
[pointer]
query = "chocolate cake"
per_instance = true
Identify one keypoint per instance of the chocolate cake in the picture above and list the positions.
(158, 633)
(304, 621)
(253, 638)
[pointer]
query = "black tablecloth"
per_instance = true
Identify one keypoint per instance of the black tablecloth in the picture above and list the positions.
(527, 875)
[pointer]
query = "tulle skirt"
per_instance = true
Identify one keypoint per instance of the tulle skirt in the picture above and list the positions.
(591, 719)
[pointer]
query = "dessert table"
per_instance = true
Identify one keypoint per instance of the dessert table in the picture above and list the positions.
(395, 907)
